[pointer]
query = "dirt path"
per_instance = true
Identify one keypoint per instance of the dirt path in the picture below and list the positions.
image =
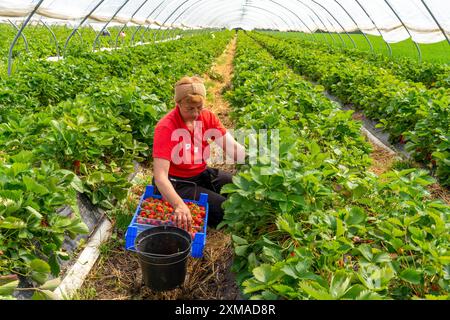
(383, 160)
(117, 274)
(217, 80)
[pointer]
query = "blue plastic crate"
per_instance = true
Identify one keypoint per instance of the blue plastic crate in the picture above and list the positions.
(135, 228)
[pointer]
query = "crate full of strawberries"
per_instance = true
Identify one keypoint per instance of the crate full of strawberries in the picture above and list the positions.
(157, 212)
(153, 211)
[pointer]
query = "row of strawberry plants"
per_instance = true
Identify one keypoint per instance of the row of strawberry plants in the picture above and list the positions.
(40, 83)
(321, 226)
(432, 75)
(101, 124)
(42, 45)
(89, 144)
(40, 42)
(411, 113)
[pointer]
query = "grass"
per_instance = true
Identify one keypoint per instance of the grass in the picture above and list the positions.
(436, 52)
(85, 293)
(106, 248)
(403, 165)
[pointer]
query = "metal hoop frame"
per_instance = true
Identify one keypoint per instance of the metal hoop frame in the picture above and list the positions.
(164, 4)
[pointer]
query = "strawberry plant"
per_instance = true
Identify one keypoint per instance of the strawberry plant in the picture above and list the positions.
(30, 199)
(70, 141)
(402, 107)
(433, 75)
(320, 226)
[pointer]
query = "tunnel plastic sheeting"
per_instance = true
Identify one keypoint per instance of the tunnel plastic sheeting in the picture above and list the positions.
(425, 21)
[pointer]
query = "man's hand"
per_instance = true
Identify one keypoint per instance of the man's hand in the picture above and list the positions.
(183, 218)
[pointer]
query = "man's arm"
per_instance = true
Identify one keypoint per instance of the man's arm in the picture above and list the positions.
(183, 218)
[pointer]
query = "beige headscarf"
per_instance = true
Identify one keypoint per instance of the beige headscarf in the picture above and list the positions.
(183, 90)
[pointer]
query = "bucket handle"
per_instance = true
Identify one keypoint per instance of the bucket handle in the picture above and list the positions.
(160, 255)
(175, 181)
(165, 264)
(151, 255)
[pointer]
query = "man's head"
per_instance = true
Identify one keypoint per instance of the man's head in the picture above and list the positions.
(190, 95)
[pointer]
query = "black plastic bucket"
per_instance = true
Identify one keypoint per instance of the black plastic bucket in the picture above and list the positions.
(163, 253)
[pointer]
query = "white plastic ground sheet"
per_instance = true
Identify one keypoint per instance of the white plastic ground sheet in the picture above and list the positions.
(424, 21)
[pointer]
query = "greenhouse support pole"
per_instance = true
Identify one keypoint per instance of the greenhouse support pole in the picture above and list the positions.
(182, 31)
(176, 9)
(321, 21)
(318, 17)
(240, 10)
(118, 34)
(22, 35)
(18, 35)
(54, 37)
(435, 20)
(81, 37)
(351, 39)
(173, 33)
(286, 8)
(132, 16)
(179, 32)
(275, 26)
(159, 36)
(167, 33)
(217, 8)
(171, 14)
(373, 22)
(157, 15)
(338, 33)
(268, 11)
(79, 25)
(404, 26)
(345, 10)
(322, 33)
(106, 24)
(139, 28)
(186, 9)
(164, 33)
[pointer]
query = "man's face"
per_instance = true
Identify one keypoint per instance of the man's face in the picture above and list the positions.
(190, 111)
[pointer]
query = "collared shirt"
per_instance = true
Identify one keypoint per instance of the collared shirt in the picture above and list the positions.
(186, 150)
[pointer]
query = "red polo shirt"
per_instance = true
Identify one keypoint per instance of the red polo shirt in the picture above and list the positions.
(186, 150)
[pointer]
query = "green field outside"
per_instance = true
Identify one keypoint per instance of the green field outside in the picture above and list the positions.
(436, 52)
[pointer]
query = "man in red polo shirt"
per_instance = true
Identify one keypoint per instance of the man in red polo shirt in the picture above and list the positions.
(180, 151)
